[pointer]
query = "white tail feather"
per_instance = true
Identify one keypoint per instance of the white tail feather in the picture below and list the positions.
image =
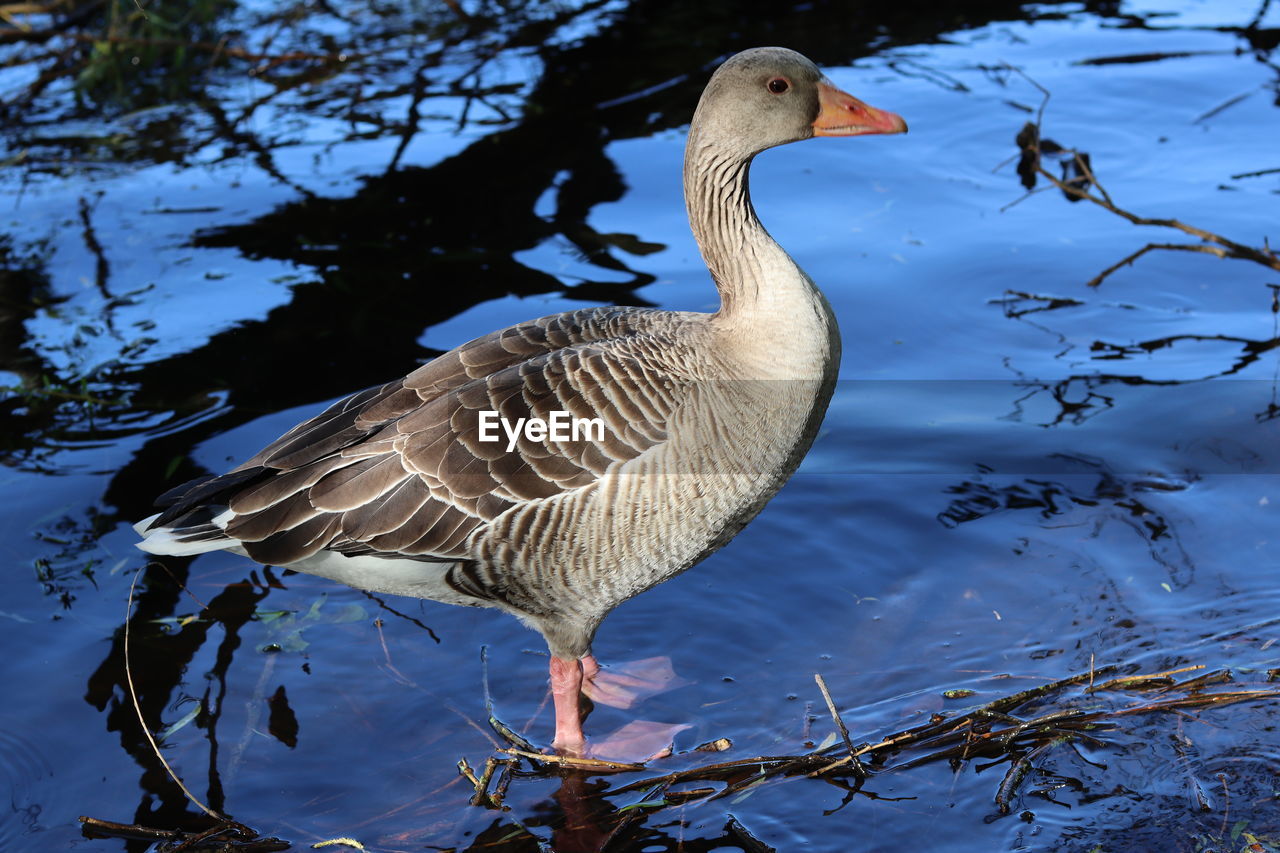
(166, 540)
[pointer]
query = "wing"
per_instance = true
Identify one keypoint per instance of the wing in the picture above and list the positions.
(403, 471)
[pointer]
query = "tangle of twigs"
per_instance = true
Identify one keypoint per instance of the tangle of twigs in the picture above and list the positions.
(991, 731)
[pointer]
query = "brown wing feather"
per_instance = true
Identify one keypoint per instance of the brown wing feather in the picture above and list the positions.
(297, 543)
(331, 430)
(400, 469)
(395, 508)
(358, 485)
(285, 515)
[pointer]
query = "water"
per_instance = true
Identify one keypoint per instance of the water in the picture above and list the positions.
(1020, 477)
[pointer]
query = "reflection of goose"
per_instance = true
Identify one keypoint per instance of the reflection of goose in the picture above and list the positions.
(702, 417)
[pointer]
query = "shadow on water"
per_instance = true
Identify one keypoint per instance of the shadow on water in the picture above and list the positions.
(162, 658)
(413, 246)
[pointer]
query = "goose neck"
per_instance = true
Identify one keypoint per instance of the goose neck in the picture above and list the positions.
(734, 245)
(756, 278)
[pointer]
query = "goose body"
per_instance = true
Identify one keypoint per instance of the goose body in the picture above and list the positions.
(690, 423)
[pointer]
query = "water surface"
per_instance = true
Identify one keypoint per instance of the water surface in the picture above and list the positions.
(1020, 477)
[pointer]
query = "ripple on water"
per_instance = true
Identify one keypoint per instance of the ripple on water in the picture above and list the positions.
(23, 771)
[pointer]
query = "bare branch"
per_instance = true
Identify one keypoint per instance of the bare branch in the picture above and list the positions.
(1217, 251)
(1078, 188)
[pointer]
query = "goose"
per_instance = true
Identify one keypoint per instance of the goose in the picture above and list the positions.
(634, 442)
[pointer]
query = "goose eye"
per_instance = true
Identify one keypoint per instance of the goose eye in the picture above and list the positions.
(778, 85)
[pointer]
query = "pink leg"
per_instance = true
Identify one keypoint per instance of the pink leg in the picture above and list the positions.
(566, 687)
(636, 741)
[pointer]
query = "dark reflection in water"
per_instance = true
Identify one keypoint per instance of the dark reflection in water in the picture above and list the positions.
(410, 246)
(159, 661)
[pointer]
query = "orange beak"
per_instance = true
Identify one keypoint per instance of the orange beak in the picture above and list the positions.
(841, 114)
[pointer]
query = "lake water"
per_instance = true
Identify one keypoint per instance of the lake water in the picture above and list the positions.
(1021, 477)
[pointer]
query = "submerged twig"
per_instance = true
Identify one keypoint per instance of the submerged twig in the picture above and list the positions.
(507, 733)
(1013, 779)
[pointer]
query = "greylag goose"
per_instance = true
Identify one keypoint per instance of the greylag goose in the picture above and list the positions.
(559, 467)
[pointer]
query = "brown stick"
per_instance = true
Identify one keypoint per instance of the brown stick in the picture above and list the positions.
(570, 761)
(1182, 247)
(1130, 682)
(723, 768)
(246, 840)
(111, 829)
(835, 715)
(844, 732)
(1222, 246)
